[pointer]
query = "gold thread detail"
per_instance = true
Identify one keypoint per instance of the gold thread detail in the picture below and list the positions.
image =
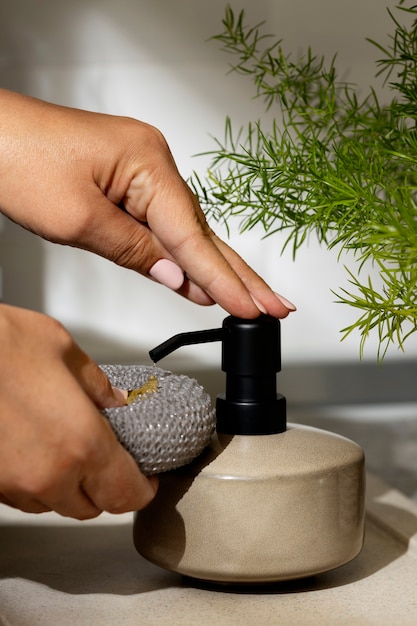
(150, 386)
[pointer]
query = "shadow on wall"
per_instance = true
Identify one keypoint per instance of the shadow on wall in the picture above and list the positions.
(330, 384)
(39, 42)
(134, 56)
(22, 264)
(105, 33)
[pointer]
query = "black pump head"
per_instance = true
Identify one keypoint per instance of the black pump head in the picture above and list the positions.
(251, 358)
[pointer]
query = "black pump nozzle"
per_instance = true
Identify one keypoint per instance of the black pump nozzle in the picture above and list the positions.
(251, 358)
(185, 339)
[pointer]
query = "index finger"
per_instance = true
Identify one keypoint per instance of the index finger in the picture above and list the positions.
(177, 219)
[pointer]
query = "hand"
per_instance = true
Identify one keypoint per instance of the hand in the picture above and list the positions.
(57, 451)
(64, 173)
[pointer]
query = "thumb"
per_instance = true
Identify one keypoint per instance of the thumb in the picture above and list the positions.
(92, 379)
(115, 234)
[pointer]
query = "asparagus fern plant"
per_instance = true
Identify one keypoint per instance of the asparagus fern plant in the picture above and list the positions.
(330, 163)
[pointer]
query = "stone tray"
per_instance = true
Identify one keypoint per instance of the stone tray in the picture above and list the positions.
(59, 572)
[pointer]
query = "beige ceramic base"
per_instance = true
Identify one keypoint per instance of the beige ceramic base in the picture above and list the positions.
(259, 509)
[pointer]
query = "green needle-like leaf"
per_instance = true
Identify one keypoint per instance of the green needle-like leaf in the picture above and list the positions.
(330, 163)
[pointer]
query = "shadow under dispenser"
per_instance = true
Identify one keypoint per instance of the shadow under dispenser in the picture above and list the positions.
(266, 501)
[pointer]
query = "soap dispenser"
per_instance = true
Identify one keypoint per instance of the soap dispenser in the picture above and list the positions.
(266, 501)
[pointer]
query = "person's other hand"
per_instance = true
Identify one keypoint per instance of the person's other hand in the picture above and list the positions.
(57, 451)
(64, 175)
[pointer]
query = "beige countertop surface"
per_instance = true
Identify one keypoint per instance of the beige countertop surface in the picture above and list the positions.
(58, 572)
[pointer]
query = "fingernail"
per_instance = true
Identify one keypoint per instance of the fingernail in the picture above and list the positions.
(120, 394)
(259, 305)
(289, 305)
(167, 273)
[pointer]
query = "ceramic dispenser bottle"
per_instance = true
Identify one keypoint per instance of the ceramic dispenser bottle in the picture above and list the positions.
(266, 501)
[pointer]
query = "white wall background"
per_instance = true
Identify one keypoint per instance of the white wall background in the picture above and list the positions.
(150, 59)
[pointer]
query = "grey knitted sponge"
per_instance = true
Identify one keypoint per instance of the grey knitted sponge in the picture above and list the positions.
(164, 429)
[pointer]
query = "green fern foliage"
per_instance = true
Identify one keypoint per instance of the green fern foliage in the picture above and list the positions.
(331, 163)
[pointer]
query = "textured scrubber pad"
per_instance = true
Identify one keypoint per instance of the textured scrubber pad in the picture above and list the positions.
(164, 429)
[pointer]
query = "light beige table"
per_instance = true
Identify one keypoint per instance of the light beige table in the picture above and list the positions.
(58, 572)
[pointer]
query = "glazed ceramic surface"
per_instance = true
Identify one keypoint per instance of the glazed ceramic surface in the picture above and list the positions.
(259, 508)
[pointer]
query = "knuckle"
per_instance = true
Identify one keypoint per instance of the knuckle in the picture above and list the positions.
(135, 254)
(37, 485)
(136, 134)
(117, 508)
(56, 332)
(80, 221)
(90, 513)
(150, 135)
